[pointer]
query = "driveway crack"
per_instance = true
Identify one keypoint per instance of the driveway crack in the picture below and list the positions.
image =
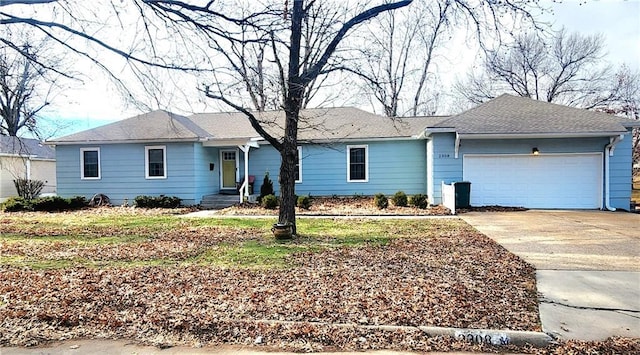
(548, 301)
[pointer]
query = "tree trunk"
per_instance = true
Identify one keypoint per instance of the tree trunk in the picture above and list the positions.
(292, 102)
(287, 212)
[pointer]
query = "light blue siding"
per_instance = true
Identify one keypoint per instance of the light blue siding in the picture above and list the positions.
(448, 169)
(621, 179)
(123, 172)
(261, 160)
(393, 166)
(207, 181)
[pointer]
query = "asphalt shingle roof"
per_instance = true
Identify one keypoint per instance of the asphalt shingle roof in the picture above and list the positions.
(153, 126)
(314, 125)
(515, 115)
(25, 146)
(504, 115)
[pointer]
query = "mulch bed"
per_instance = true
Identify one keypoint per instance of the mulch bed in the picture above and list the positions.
(359, 206)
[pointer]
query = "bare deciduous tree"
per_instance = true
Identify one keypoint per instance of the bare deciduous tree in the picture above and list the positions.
(301, 58)
(566, 69)
(400, 49)
(249, 55)
(627, 104)
(297, 42)
(396, 54)
(26, 84)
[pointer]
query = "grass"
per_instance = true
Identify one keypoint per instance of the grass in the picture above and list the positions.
(252, 255)
(162, 276)
(54, 241)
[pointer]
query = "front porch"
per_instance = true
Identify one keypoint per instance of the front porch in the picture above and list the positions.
(231, 175)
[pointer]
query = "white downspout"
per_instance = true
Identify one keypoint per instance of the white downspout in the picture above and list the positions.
(28, 168)
(608, 151)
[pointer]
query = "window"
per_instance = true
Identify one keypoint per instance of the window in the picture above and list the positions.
(357, 163)
(298, 171)
(155, 162)
(90, 163)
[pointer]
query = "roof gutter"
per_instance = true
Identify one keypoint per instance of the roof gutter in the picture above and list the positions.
(608, 151)
(135, 141)
(537, 135)
(429, 131)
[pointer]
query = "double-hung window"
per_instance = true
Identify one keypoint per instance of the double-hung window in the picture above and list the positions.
(90, 163)
(357, 163)
(155, 162)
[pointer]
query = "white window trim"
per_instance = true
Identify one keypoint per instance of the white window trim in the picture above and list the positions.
(299, 165)
(366, 162)
(146, 161)
(90, 149)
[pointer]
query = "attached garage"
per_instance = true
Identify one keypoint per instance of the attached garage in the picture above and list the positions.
(517, 151)
(572, 181)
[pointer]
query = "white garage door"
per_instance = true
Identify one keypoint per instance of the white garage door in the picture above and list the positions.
(542, 181)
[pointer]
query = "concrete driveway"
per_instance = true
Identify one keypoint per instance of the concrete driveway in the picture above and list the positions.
(588, 267)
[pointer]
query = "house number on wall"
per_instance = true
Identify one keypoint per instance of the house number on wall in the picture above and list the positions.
(444, 155)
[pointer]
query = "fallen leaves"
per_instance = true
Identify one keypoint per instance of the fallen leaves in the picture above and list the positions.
(340, 206)
(441, 273)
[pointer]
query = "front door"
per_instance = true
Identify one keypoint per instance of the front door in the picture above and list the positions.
(229, 167)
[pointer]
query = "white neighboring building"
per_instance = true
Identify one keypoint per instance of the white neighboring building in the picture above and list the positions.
(27, 159)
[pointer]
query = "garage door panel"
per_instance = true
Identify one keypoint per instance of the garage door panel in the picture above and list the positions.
(543, 181)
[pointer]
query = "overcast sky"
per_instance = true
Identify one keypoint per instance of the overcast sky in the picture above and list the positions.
(96, 103)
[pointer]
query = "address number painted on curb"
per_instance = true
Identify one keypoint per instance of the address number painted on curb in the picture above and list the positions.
(477, 337)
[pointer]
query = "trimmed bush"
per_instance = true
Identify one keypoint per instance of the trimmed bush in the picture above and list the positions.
(269, 202)
(50, 204)
(381, 201)
(28, 189)
(304, 202)
(44, 204)
(17, 204)
(420, 201)
(267, 187)
(78, 202)
(400, 199)
(161, 201)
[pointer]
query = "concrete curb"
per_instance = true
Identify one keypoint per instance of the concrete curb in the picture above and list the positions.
(475, 336)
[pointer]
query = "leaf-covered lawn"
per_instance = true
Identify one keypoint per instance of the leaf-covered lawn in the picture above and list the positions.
(164, 279)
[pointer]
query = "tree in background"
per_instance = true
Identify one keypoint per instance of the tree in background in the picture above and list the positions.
(395, 56)
(398, 57)
(627, 104)
(566, 69)
(27, 82)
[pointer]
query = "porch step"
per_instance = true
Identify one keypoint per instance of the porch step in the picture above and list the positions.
(218, 202)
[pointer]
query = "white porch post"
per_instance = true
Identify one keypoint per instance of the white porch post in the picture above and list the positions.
(244, 189)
